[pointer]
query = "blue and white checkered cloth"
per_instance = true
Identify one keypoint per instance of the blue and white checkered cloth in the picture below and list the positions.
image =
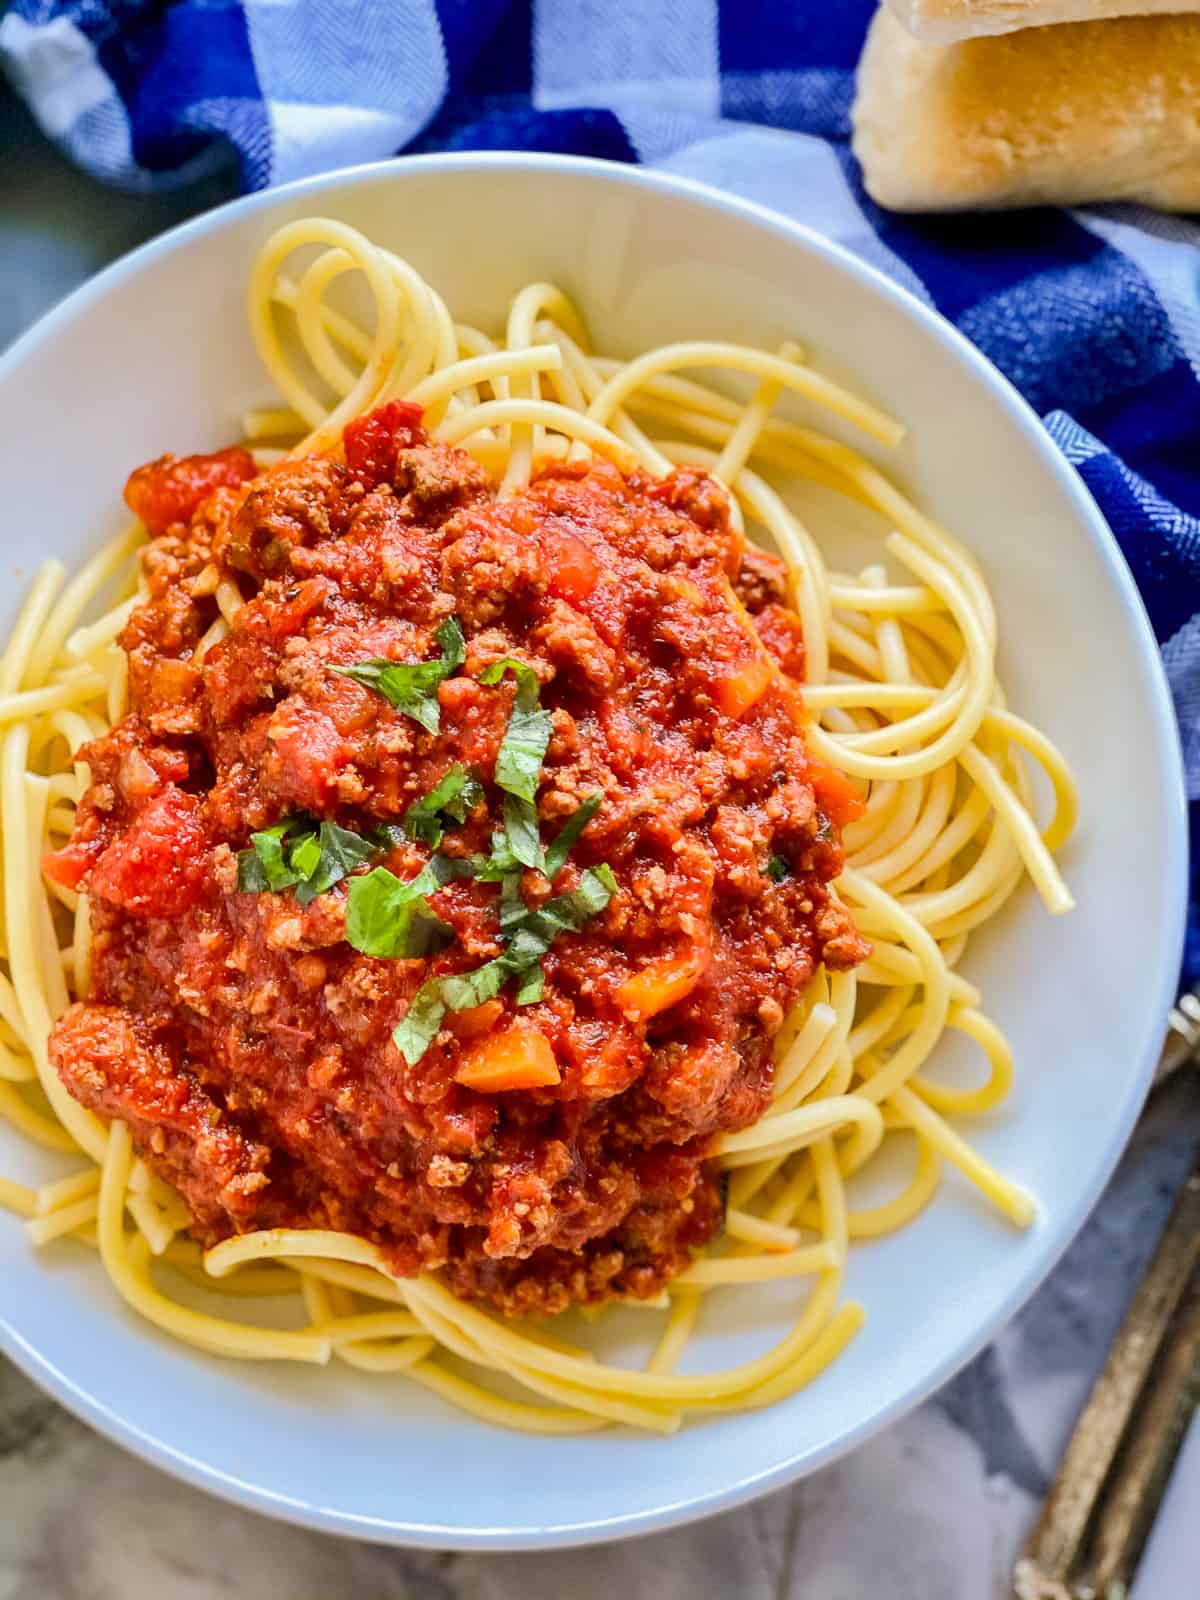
(1094, 315)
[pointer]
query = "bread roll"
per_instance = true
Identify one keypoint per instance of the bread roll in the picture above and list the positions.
(1064, 115)
(942, 21)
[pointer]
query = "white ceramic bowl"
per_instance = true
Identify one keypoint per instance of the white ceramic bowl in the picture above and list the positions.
(154, 355)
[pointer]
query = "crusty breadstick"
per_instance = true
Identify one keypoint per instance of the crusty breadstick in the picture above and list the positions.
(1084, 111)
(943, 21)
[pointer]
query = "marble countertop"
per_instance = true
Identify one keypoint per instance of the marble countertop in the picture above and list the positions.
(936, 1508)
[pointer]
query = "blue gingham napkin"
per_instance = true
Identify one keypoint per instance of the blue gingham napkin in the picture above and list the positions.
(1094, 315)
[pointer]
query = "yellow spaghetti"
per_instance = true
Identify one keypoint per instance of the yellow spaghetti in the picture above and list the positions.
(904, 699)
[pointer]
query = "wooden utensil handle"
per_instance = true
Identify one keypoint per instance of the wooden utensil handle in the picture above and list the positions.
(1102, 1502)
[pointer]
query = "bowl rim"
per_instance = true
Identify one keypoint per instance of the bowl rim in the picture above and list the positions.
(671, 1512)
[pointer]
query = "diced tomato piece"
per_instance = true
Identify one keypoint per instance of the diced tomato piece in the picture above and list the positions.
(835, 792)
(782, 633)
(70, 865)
(573, 570)
(373, 442)
(171, 489)
(157, 867)
(309, 753)
(518, 1057)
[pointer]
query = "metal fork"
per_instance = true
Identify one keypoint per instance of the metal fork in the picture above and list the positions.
(1101, 1506)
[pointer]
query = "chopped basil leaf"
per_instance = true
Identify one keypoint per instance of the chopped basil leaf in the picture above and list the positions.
(567, 913)
(568, 835)
(302, 854)
(527, 679)
(427, 933)
(531, 938)
(394, 920)
(266, 865)
(306, 855)
(387, 836)
(521, 831)
(389, 918)
(470, 989)
(502, 867)
(523, 748)
(340, 852)
(518, 773)
(608, 881)
(512, 906)
(444, 869)
(500, 864)
(449, 635)
(418, 1027)
(463, 801)
(528, 943)
(778, 869)
(532, 985)
(251, 879)
(522, 751)
(453, 796)
(534, 933)
(412, 686)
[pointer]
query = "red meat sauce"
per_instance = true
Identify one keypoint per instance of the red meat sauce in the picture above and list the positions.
(249, 1047)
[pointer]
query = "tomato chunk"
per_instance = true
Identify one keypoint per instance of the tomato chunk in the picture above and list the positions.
(157, 868)
(573, 569)
(373, 442)
(835, 792)
(70, 865)
(309, 753)
(170, 489)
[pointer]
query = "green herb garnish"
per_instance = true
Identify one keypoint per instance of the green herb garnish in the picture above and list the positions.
(502, 867)
(340, 851)
(519, 761)
(512, 907)
(419, 1026)
(518, 845)
(778, 869)
(523, 748)
(500, 864)
(533, 985)
(567, 913)
(412, 686)
(303, 854)
(530, 939)
(267, 864)
(521, 831)
(452, 799)
(394, 920)
(474, 988)
(306, 855)
(567, 836)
